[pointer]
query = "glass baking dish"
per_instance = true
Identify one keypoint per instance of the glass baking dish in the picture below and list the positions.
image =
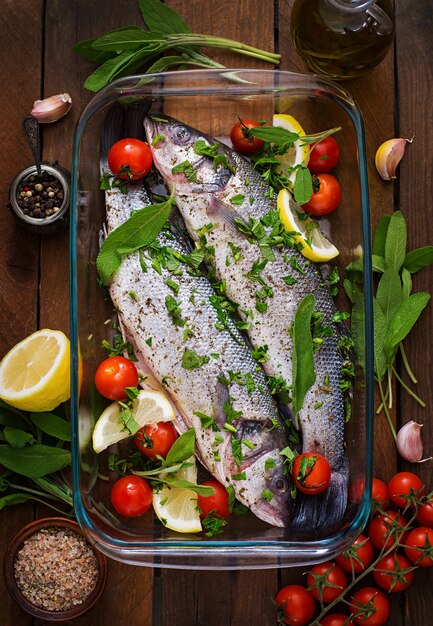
(210, 101)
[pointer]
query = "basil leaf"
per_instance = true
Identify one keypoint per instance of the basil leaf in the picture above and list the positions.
(34, 461)
(404, 319)
(380, 236)
(303, 374)
(161, 18)
(418, 258)
(17, 438)
(380, 359)
(389, 293)
(378, 263)
(52, 425)
(303, 188)
(182, 449)
(13, 498)
(130, 38)
(137, 232)
(406, 279)
(202, 490)
(395, 243)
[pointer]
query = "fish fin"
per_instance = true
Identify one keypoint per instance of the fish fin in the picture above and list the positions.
(224, 396)
(322, 513)
(218, 208)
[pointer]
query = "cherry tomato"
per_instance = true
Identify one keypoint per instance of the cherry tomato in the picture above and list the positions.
(327, 197)
(311, 472)
(131, 496)
(130, 159)
(405, 484)
(242, 141)
(385, 527)
(358, 557)
(335, 619)
(113, 375)
(321, 577)
(298, 604)
(421, 537)
(379, 611)
(424, 515)
(379, 493)
(156, 440)
(394, 581)
(217, 503)
(324, 156)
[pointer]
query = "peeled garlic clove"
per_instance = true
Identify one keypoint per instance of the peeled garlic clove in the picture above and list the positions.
(388, 156)
(409, 442)
(51, 109)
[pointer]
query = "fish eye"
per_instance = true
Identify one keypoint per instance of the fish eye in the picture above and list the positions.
(180, 134)
(280, 484)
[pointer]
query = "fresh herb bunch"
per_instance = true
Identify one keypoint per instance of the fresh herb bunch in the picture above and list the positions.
(395, 308)
(33, 451)
(125, 50)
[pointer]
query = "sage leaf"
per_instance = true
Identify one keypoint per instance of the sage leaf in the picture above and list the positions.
(161, 18)
(303, 188)
(13, 498)
(379, 327)
(274, 134)
(182, 449)
(303, 374)
(12, 418)
(137, 232)
(406, 280)
(352, 289)
(107, 71)
(130, 38)
(389, 293)
(403, 321)
(34, 461)
(85, 48)
(380, 236)
(52, 425)
(395, 243)
(418, 258)
(378, 263)
(202, 490)
(18, 438)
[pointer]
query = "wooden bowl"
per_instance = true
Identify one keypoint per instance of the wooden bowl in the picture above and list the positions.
(21, 600)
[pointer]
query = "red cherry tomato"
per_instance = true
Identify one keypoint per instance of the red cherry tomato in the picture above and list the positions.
(405, 484)
(358, 557)
(324, 156)
(335, 619)
(421, 537)
(311, 472)
(327, 197)
(378, 612)
(385, 528)
(392, 581)
(130, 159)
(379, 493)
(298, 604)
(424, 515)
(217, 503)
(243, 141)
(326, 580)
(131, 496)
(113, 375)
(156, 440)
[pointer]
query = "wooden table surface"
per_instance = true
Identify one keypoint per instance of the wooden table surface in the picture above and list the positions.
(36, 44)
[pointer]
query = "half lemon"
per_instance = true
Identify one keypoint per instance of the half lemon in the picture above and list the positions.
(149, 407)
(315, 246)
(34, 374)
(298, 154)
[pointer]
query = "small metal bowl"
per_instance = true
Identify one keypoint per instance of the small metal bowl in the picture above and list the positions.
(11, 584)
(42, 224)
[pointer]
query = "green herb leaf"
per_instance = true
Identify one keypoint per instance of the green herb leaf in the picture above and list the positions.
(274, 134)
(12, 499)
(303, 188)
(192, 361)
(160, 18)
(378, 263)
(52, 425)
(34, 461)
(137, 232)
(395, 243)
(380, 236)
(406, 280)
(403, 321)
(201, 490)
(303, 374)
(129, 38)
(182, 449)
(112, 68)
(418, 258)
(389, 293)
(17, 438)
(379, 328)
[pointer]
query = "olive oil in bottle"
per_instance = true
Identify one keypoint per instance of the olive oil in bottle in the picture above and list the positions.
(342, 39)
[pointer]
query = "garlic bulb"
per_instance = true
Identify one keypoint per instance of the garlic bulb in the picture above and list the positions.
(51, 109)
(388, 156)
(409, 443)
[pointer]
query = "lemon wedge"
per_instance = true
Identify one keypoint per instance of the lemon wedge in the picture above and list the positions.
(149, 407)
(315, 246)
(34, 374)
(298, 153)
(177, 507)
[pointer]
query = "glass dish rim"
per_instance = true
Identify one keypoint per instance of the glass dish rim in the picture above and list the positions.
(305, 83)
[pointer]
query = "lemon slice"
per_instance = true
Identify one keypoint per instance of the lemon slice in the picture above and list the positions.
(177, 507)
(315, 245)
(298, 153)
(149, 407)
(34, 374)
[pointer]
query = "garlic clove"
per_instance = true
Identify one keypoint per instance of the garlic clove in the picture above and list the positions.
(409, 443)
(388, 156)
(51, 109)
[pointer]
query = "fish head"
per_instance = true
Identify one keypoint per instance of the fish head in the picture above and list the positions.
(175, 154)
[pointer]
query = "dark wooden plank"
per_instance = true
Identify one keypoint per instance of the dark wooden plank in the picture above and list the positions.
(415, 93)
